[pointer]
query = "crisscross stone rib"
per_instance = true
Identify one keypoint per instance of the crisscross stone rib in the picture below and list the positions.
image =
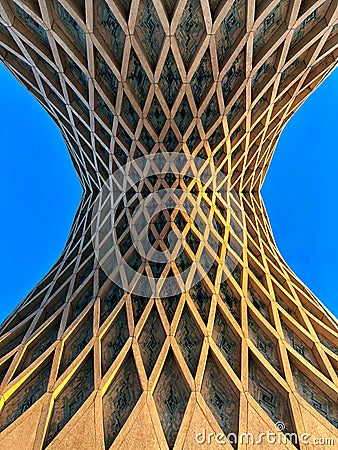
(213, 331)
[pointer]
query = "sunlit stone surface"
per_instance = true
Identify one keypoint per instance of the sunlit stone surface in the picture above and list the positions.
(170, 316)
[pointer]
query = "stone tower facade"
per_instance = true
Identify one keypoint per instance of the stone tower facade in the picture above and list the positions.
(170, 321)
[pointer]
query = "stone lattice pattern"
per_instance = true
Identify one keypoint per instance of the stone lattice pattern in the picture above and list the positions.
(85, 365)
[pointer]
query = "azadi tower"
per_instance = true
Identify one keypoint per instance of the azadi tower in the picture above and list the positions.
(170, 321)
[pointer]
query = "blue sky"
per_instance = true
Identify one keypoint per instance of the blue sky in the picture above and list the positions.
(40, 192)
(301, 190)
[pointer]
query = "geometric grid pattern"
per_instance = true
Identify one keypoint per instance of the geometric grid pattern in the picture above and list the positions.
(82, 362)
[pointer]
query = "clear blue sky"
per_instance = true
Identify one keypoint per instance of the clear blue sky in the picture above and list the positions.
(40, 193)
(301, 191)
